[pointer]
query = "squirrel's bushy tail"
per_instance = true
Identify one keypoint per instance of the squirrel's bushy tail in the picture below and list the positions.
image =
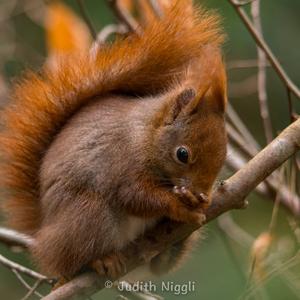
(42, 103)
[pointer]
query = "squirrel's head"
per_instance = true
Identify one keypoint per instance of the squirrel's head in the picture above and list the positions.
(190, 138)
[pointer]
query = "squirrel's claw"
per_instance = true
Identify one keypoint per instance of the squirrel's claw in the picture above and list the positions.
(186, 196)
(186, 208)
(112, 266)
(61, 281)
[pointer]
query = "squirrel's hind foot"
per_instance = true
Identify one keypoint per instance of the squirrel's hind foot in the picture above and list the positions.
(112, 266)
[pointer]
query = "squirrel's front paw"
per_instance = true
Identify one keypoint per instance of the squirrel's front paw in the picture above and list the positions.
(186, 208)
(112, 266)
(186, 196)
(201, 201)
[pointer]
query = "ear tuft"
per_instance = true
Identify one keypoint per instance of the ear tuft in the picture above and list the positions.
(177, 104)
(182, 100)
(186, 96)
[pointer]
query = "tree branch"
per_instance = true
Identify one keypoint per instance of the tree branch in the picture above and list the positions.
(269, 187)
(14, 238)
(228, 196)
(15, 266)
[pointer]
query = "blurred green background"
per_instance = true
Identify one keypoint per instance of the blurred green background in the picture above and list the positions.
(219, 266)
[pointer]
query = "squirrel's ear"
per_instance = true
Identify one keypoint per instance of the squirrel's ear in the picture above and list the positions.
(181, 104)
(185, 99)
(218, 91)
(206, 79)
(210, 76)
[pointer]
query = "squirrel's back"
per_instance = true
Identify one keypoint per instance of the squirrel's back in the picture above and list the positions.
(87, 152)
(42, 103)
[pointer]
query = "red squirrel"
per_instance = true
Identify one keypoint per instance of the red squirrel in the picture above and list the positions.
(110, 142)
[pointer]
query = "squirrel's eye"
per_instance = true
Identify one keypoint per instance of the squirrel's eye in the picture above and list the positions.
(182, 154)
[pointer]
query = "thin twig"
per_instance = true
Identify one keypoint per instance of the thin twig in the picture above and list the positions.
(239, 141)
(275, 271)
(295, 228)
(108, 30)
(87, 18)
(139, 293)
(156, 7)
(292, 113)
(232, 230)
(12, 237)
(125, 17)
(242, 2)
(229, 249)
(244, 64)
(33, 290)
(25, 284)
(19, 10)
(15, 266)
(243, 238)
(261, 76)
(235, 120)
(275, 210)
(264, 46)
(243, 88)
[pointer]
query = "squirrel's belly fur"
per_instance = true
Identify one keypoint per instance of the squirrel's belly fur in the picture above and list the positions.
(132, 227)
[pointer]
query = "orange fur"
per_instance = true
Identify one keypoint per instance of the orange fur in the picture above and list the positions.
(65, 31)
(42, 103)
(126, 4)
(65, 34)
